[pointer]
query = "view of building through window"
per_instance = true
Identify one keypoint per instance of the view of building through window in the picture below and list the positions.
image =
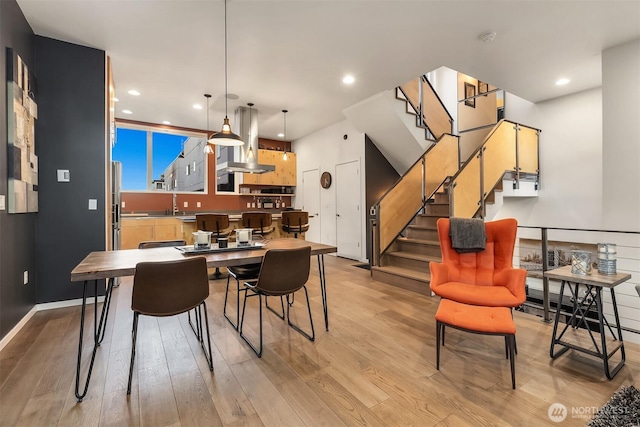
(154, 159)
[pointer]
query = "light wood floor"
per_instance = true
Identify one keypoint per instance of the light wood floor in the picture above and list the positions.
(376, 366)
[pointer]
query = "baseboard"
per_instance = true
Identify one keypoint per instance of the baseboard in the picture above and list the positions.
(13, 332)
(41, 307)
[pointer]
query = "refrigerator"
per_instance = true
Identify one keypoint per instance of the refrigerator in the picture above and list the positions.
(116, 205)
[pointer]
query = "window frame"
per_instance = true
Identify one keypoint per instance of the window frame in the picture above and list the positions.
(150, 129)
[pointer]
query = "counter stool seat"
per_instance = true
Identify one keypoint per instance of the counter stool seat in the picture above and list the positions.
(478, 320)
(261, 223)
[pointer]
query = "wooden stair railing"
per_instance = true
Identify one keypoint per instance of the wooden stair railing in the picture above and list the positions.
(429, 108)
(509, 147)
(400, 204)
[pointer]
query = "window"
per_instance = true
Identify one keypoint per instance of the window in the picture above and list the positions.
(152, 157)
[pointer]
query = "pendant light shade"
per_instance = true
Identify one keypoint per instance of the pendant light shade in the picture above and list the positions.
(207, 148)
(226, 135)
(285, 157)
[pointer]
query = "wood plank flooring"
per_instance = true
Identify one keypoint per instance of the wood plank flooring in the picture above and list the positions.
(374, 367)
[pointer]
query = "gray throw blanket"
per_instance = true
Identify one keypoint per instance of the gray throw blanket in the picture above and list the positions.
(467, 234)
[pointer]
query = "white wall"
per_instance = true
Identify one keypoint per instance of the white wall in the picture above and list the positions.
(621, 135)
(570, 193)
(325, 149)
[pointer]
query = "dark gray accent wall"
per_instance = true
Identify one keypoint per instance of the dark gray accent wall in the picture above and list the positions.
(71, 133)
(380, 177)
(17, 231)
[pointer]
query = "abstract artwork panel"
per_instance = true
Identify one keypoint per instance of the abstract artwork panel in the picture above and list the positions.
(22, 112)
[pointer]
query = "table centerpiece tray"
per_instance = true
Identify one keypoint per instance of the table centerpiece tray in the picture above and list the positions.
(233, 246)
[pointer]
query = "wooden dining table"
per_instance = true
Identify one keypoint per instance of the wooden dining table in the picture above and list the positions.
(119, 263)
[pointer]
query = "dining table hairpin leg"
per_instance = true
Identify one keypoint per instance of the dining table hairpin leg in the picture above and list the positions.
(98, 332)
(323, 290)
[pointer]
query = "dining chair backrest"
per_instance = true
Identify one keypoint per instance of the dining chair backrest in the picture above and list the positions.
(169, 287)
(284, 271)
(161, 244)
(216, 223)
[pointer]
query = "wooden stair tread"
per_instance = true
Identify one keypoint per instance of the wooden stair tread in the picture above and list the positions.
(421, 276)
(413, 256)
(434, 214)
(423, 227)
(419, 241)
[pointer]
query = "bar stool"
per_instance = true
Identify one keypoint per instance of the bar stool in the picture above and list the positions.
(295, 222)
(218, 225)
(260, 223)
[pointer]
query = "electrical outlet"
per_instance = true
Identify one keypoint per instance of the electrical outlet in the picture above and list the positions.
(186, 204)
(25, 277)
(123, 205)
(253, 205)
(198, 204)
(248, 204)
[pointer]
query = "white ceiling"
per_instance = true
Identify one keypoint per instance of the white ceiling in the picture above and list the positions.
(293, 53)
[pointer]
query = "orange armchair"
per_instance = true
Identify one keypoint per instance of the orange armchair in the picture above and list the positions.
(480, 278)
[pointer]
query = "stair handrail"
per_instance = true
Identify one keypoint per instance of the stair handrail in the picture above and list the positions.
(423, 82)
(405, 209)
(477, 161)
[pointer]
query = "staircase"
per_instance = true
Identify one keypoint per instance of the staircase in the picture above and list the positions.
(405, 232)
(406, 263)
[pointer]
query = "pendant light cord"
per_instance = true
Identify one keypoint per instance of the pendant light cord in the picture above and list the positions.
(226, 114)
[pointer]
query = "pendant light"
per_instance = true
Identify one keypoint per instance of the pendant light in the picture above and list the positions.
(207, 148)
(225, 136)
(284, 135)
(250, 153)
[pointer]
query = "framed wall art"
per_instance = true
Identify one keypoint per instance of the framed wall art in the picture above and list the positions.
(22, 112)
(469, 93)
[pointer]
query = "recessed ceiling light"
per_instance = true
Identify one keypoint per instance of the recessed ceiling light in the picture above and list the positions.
(115, 99)
(127, 111)
(166, 122)
(562, 82)
(134, 92)
(281, 135)
(348, 79)
(197, 106)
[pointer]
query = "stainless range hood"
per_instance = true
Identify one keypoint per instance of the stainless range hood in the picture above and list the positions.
(246, 122)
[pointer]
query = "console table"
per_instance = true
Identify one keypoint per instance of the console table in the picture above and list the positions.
(577, 333)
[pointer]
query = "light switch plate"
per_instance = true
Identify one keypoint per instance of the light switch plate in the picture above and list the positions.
(64, 175)
(198, 204)
(123, 205)
(2, 206)
(93, 204)
(186, 204)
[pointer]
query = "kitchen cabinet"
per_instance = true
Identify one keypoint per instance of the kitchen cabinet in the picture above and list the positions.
(284, 175)
(140, 229)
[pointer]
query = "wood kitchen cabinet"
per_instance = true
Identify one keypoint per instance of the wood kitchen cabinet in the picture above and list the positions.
(284, 175)
(141, 229)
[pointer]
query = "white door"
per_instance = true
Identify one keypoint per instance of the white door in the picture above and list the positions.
(311, 203)
(348, 214)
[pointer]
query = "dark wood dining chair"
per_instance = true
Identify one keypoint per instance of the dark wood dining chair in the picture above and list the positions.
(296, 222)
(283, 272)
(168, 288)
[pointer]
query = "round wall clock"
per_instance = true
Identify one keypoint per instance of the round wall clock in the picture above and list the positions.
(325, 180)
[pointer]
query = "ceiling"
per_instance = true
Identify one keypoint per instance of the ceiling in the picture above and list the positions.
(292, 54)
